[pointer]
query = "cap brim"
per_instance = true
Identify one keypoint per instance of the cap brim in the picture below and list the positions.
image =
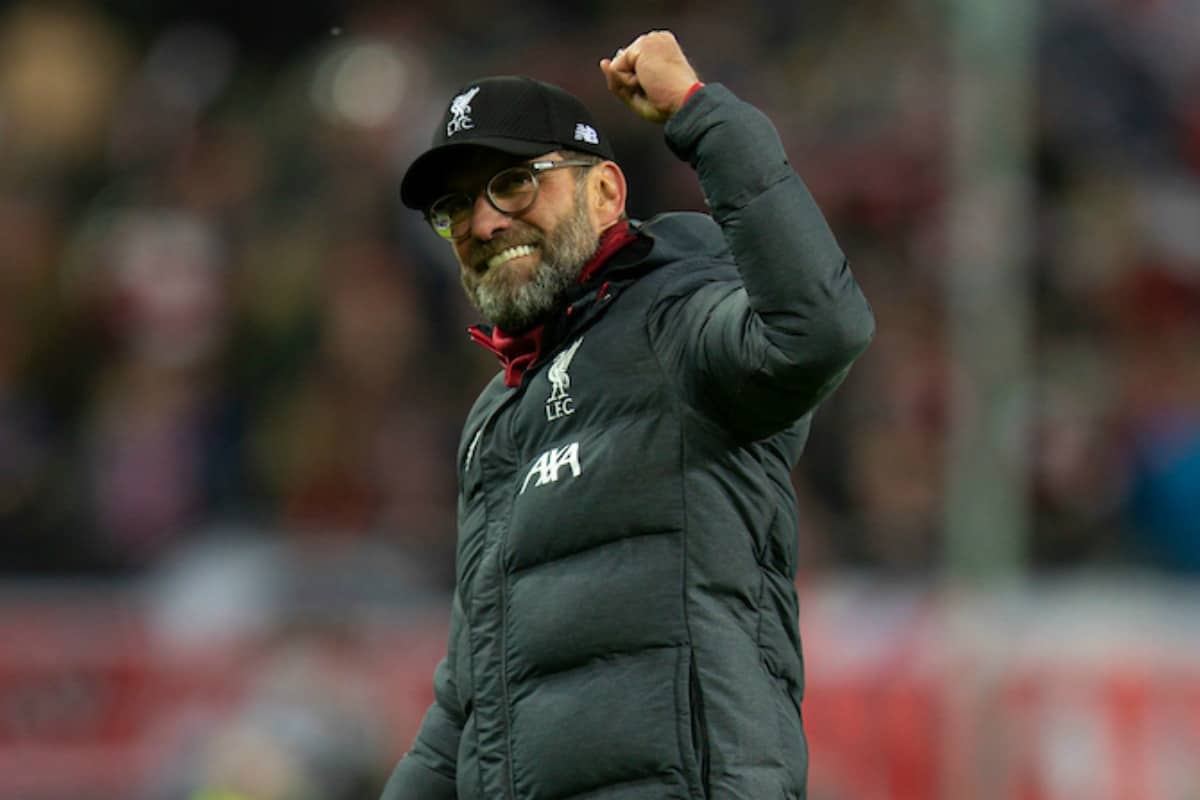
(425, 179)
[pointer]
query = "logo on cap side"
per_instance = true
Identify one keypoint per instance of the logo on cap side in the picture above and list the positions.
(460, 110)
(586, 133)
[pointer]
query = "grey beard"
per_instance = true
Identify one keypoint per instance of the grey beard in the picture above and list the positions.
(564, 252)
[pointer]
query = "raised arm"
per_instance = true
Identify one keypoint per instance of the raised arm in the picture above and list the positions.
(766, 346)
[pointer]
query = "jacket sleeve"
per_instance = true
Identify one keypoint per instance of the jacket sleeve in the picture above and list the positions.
(427, 771)
(765, 349)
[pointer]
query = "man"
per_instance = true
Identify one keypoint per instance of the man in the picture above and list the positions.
(624, 622)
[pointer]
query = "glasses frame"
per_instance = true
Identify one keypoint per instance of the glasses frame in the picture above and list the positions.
(535, 169)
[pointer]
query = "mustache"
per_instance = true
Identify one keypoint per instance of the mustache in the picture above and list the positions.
(499, 244)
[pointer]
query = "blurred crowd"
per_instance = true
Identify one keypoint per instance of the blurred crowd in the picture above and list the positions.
(215, 316)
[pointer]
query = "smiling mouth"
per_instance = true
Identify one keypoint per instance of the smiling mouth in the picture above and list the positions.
(508, 254)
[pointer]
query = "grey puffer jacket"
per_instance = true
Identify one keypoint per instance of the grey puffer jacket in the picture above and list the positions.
(625, 623)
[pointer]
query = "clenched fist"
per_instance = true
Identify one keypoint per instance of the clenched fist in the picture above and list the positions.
(651, 74)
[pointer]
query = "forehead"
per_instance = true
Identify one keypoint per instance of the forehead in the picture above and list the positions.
(475, 166)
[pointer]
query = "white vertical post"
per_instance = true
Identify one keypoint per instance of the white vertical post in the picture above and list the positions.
(988, 286)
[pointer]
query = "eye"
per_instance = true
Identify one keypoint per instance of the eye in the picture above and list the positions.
(459, 207)
(515, 182)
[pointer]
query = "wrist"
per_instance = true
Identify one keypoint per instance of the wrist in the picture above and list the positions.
(695, 87)
(674, 107)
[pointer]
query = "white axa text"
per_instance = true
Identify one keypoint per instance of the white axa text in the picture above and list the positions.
(550, 462)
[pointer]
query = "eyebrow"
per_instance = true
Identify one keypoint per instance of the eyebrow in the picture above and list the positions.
(479, 167)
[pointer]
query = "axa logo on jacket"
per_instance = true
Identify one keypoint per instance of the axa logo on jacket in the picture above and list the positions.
(551, 462)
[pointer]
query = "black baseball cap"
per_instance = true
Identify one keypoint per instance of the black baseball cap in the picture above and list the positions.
(510, 113)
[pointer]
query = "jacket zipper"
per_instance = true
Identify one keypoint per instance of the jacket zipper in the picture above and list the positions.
(472, 454)
(510, 789)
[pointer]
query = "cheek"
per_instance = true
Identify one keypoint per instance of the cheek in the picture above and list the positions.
(469, 279)
(462, 252)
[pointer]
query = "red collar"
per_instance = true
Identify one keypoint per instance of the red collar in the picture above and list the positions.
(611, 241)
(518, 352)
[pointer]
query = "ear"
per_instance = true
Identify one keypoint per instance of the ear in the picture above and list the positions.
(607, 194)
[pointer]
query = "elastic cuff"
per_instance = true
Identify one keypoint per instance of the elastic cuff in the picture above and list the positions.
(697, 86)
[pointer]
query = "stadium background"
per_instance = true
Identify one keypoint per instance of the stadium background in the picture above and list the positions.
(231, 383)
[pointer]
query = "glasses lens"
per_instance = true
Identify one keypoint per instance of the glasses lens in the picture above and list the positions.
(450, 216)
(513, 189)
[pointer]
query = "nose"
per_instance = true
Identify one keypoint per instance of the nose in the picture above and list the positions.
(486, 221)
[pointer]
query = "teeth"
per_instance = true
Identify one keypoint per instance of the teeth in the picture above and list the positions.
(504, 256)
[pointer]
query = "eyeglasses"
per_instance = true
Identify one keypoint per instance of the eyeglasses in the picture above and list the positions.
(509, 191)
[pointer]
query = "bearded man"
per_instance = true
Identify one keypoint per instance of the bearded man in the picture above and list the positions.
(624, 624)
